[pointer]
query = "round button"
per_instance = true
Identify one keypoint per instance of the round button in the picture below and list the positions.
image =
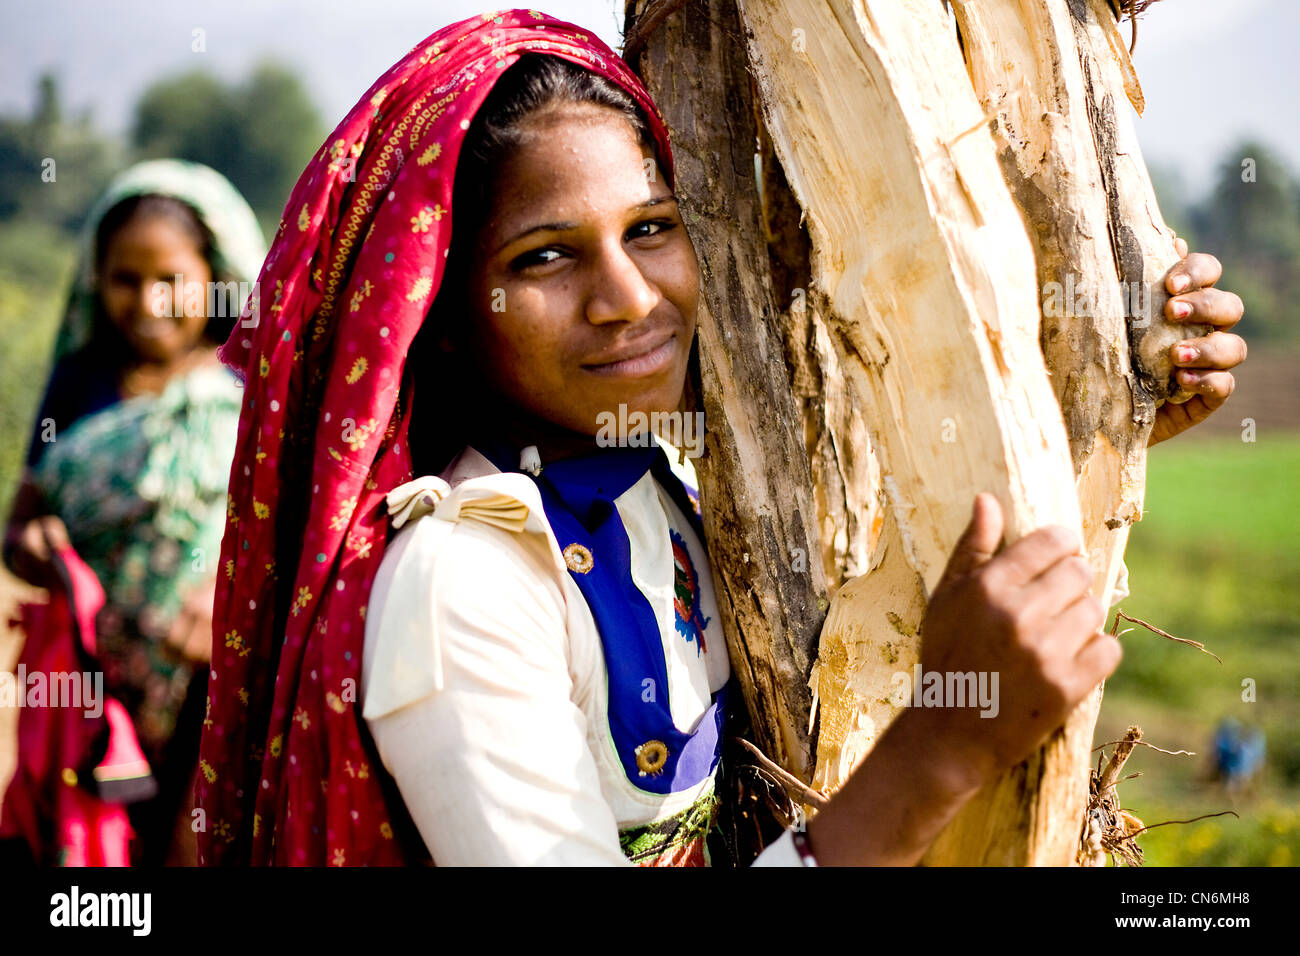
(651, 757)
(578, 558)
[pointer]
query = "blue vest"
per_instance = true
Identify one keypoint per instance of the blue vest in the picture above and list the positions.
(578, 496)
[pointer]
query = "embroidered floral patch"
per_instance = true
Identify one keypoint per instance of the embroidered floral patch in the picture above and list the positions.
(691, 621)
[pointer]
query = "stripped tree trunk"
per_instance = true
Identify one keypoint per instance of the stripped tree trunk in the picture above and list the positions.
(863, 378)
(758, 489)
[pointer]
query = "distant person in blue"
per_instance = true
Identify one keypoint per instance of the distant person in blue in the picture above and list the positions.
(1238, 756)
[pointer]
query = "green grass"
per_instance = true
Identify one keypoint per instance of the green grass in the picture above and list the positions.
(1215, 560)
(36, 266)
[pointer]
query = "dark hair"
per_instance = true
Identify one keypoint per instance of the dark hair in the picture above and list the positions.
(184, 217)
(152, 206)
(535, 82)
(532, 84)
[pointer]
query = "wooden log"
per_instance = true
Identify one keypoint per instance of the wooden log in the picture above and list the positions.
(899, 335)
(930, 288)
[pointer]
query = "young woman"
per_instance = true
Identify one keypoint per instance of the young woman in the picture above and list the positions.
(131, 451)
(456, 623)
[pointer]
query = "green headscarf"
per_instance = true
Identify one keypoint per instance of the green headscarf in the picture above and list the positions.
(237, 241)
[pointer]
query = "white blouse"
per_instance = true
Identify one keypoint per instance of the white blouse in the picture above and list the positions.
(483, 673)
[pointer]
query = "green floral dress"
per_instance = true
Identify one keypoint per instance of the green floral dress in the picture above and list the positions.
(141, 486)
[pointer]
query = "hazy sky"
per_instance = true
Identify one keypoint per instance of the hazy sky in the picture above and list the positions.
(1211, 69)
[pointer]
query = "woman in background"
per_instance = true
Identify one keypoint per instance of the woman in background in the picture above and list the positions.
(131, 450)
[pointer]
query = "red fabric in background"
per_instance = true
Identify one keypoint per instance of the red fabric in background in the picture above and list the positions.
(52, 803)
(288, 774)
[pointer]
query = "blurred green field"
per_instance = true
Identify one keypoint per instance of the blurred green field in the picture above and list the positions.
(1215, 560)
(36, 269)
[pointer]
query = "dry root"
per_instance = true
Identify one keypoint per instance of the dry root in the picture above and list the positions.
(1130, 9)
(1108, 828)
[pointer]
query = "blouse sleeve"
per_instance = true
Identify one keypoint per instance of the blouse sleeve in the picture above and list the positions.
(493, 763)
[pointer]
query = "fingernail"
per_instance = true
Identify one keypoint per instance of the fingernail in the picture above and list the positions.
(1182, 310)
(1181, 282)
(1186, 353)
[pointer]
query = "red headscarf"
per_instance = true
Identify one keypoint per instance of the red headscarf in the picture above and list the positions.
(288, 773)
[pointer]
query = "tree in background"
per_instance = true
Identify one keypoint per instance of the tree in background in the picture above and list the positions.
(1251, 221)
(51, 169)
(192, 116)
(259, 133)
(1176, 202)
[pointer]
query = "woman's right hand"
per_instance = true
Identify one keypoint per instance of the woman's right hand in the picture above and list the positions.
(1027, 615)
(30, 546)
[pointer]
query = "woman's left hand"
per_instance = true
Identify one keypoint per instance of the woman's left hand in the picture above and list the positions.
(191, 632)
(1201, 363)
